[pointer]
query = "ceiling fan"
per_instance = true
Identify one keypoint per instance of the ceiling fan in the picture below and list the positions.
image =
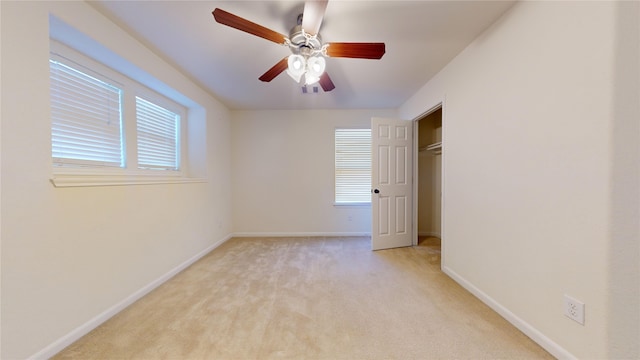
(306, 62)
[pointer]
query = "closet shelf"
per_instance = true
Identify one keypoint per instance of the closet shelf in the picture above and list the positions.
(435, 148)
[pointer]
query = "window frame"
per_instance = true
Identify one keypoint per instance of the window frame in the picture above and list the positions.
(335, 177)
(162, 103)
(78, 175)
(70, 80)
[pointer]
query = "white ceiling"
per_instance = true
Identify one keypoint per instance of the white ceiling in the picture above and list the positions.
(420, 36)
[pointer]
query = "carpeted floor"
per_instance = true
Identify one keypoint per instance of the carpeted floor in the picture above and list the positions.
(308, 298)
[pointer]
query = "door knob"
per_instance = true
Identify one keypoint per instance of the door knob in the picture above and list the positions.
(376, 191)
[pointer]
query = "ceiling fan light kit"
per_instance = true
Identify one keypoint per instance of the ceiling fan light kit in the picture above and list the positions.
(307, 50)
(312, 68)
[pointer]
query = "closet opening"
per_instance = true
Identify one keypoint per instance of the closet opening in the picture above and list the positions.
(428, 183)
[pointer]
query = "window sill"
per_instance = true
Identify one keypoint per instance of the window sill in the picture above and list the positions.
(363, 204)
(60, 181)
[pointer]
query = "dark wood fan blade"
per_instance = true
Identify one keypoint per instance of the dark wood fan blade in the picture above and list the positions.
(326, 83)
(275, 70)
(356, 50)
(234, 21)
(312, 15)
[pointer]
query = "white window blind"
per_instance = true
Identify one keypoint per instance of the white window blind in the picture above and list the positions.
(353, 166)
(158, 134)
(86, 126)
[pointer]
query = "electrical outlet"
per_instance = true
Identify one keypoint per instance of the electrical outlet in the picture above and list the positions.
(574, 309)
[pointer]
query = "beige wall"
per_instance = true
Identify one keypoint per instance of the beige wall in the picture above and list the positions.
(283, 172)
(541, 180)
(70, 254)
(624, 248)
(533, 171)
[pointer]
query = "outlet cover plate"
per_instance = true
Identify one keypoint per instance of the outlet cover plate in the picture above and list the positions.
(574, 309)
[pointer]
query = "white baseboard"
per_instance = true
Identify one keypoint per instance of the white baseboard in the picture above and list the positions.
(84, 329)
(552, 347)
(299, 234)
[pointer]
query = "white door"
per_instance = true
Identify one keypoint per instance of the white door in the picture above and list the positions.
(391, 174)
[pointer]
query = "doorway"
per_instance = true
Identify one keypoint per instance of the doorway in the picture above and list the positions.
(428, 180)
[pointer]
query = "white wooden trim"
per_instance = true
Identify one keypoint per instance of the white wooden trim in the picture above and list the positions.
(552, 347)
(60, 181)
(85, 328)
(300, 234)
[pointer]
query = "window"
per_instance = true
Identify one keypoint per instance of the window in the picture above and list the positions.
(104, 121)
(86, 126)
(353, 166)
(157, 136)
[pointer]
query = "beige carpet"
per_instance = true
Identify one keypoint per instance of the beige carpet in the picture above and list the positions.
(308, 298)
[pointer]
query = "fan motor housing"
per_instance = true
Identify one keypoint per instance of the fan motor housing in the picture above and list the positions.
(302, 42)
